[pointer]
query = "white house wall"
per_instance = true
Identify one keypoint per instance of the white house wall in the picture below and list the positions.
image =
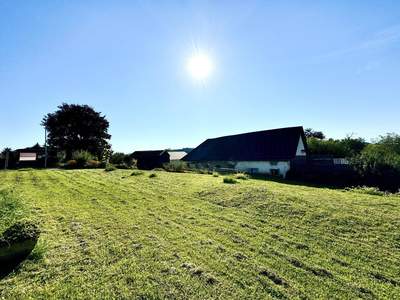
(263, 166)
(301, 150)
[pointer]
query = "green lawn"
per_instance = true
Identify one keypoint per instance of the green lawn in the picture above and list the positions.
(179, 236)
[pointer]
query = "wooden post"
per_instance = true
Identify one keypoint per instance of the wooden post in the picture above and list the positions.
(45, 147)
(6, 161)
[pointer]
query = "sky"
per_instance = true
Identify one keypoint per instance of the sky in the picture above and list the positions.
(329, 65)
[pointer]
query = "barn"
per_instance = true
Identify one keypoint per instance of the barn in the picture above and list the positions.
(150, 159)
(266, 152)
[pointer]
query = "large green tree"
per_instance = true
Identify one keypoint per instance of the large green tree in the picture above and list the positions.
(77, 127)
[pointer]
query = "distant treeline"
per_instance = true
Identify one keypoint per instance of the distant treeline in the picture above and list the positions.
(376, 163)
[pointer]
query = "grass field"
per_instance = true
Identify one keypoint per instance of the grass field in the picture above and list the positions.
(179, 236)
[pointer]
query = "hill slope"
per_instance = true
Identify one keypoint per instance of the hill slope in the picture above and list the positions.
(109, 235)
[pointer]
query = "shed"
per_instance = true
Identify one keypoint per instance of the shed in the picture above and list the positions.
(150, 159)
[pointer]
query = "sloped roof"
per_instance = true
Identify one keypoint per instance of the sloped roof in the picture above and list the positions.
(274, 144)
(35, 148)
(147, 154)
(176, 155)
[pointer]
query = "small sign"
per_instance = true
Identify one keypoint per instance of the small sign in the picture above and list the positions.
(27, 156)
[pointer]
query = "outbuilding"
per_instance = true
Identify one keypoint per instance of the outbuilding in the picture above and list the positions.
(266, 152)
(150, 159)
(30, 157)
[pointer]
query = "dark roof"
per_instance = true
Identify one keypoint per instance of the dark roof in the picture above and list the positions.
(275, 144)
(35, 148)
(148, 154)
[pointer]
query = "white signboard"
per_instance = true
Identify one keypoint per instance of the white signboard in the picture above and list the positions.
(27, 156)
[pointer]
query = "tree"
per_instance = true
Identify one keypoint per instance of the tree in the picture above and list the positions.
(332, 147)
(5, 151)
(379, 165)
(121, 159)
(117, 158)
(76, 127)
(310, 133)
(353, 146)
(390, 141)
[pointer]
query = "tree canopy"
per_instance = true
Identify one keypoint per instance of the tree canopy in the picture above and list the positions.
(347, 147)
(311, 133)
(77, 127)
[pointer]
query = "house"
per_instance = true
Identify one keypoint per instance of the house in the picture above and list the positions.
(176, 155)
(30, 157)
(151, 159)
(266, 152)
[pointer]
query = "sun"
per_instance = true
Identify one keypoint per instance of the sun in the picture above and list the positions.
(199, 66)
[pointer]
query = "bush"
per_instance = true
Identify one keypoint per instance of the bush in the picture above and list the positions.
(82, 157)
(110, 168)
(242, 176)
(367, 190)
(203, 171)
(230, 180)
(71, 164)
(152, 175)
(379, 165)
(117, 158)
(176, 166)
(347, 147)
(122, 160)
(136, 173)
(93, 164)
(124, 166)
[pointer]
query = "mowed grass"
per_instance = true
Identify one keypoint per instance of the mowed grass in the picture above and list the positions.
(190, 236)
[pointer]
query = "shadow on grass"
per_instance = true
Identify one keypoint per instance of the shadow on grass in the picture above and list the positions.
(11, 256)
(299, 182)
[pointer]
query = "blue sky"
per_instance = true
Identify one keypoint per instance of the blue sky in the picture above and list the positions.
(330, 65)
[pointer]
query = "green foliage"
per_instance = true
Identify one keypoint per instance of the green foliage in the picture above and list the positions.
(379, 165)
(106, 154)
(352, 146)
(176, 166)
(110, 168)
(121, 160)
(71, 164)
(11, 209)
(77, 127)
(310, 133)
(137, 173)
(229, 180)
(152, 175)
(376, 158)
(242, 176)
(367, 190)
(391, 142)
(347, 147)
(117, 158)
(93, 164)
(82, 157)
(105, 233)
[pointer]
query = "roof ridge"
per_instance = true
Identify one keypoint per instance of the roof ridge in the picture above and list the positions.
(258, 131)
